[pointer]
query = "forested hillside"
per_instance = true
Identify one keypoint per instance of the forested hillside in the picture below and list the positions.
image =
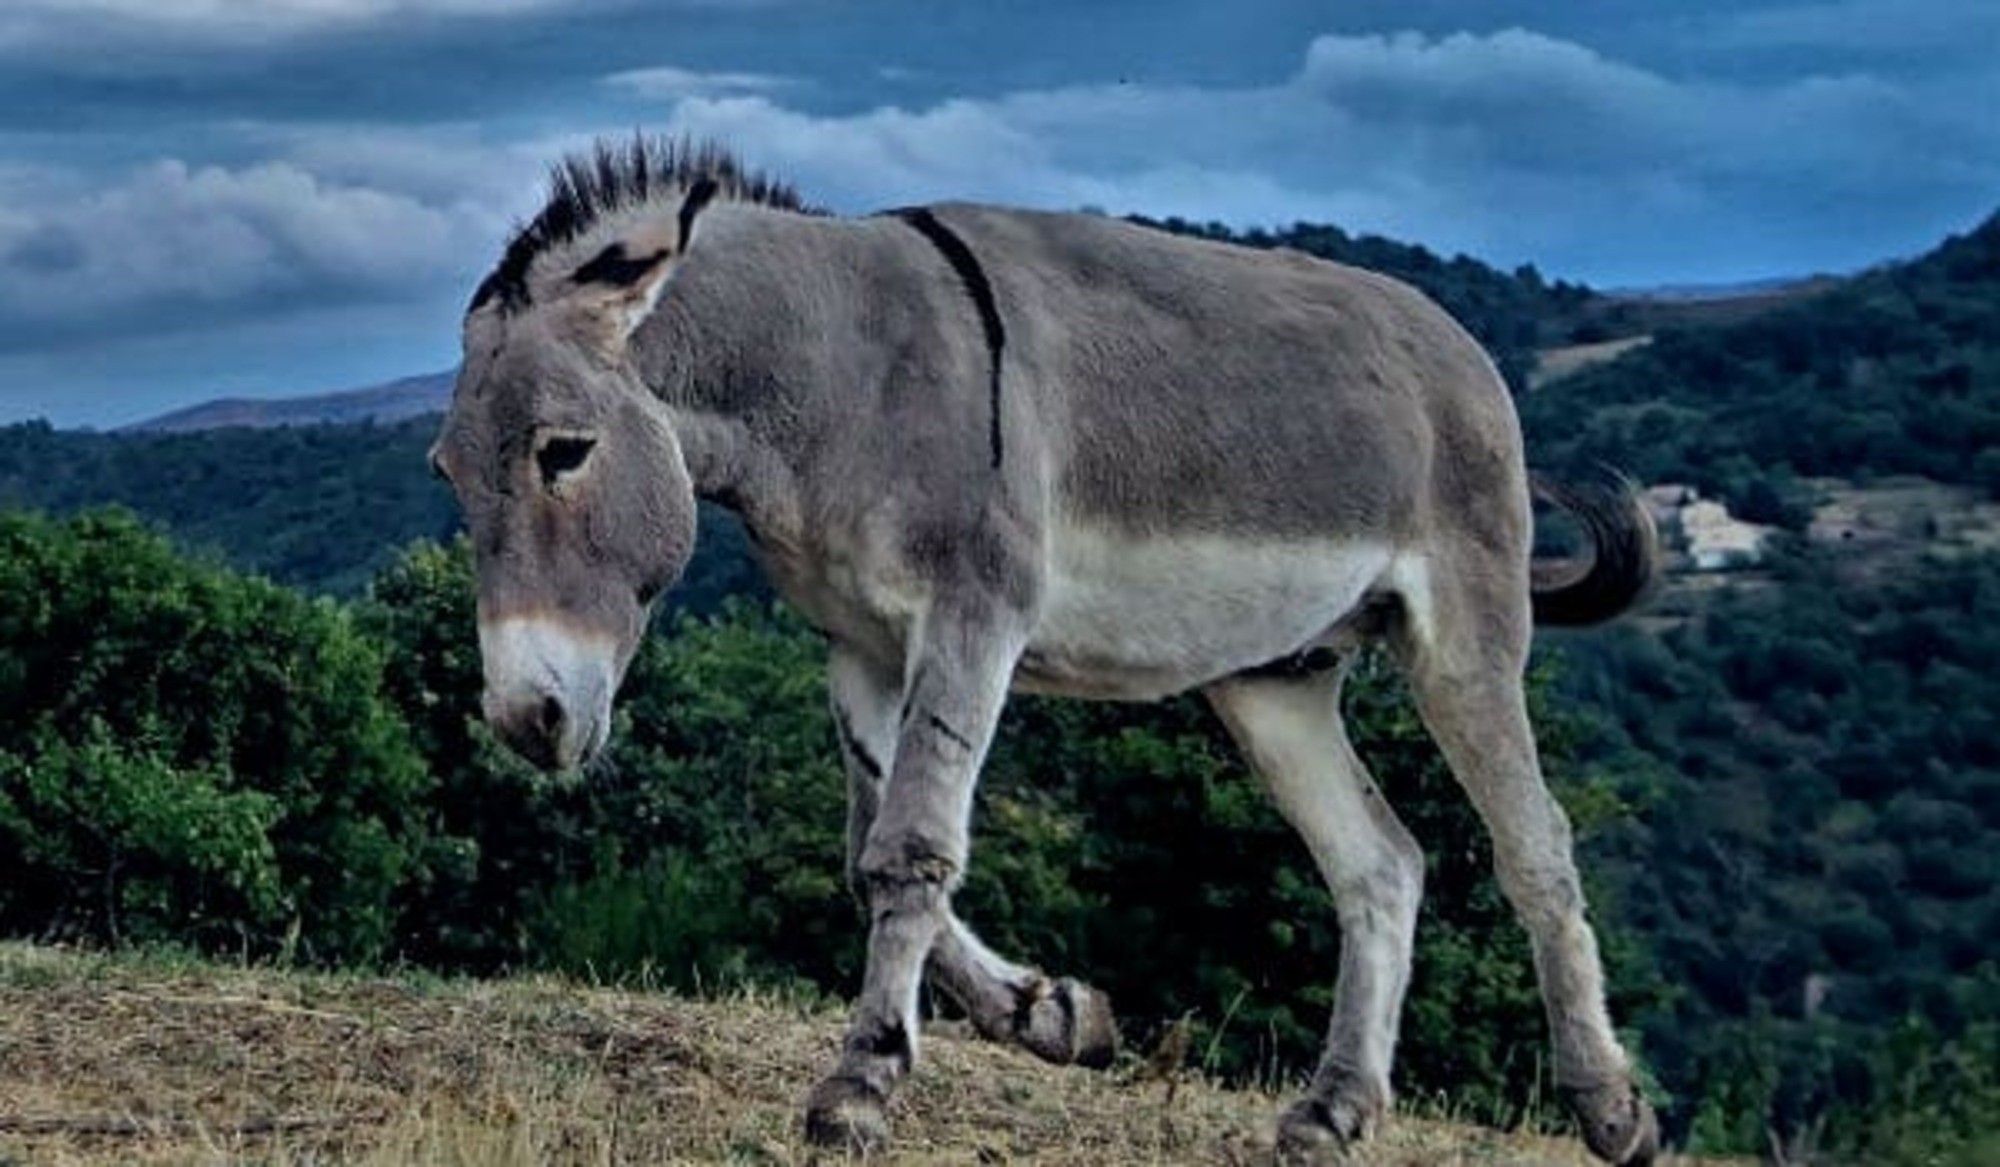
(317, 507)
(1813, 854)
(320, 508)
(1818, 741)
(1894, 372)
(1792, 785)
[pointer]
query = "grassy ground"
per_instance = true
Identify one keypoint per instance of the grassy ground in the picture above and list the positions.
(153, 1060)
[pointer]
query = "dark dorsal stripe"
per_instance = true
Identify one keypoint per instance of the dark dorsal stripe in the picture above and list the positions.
(970, 274)
(613, 266)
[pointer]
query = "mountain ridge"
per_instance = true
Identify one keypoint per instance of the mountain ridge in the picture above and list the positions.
(384, 403)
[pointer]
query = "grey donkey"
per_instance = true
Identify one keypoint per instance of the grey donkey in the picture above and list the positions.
(989, 450)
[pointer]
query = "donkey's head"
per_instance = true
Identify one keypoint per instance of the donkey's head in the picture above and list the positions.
(580, 512)
(573, 485)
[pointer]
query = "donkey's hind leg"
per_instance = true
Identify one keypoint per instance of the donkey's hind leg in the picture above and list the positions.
(1465, 652)
(1058, 1019)
(1291, 731)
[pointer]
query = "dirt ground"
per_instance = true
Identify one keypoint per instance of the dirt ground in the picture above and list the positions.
(161, 1061)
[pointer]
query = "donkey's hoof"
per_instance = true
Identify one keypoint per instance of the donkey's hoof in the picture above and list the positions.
(1618, 1125)
(1315, 1131)
(847, 1114)
(1068, 1023)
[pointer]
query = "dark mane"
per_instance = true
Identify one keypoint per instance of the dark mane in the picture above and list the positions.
(586, 187)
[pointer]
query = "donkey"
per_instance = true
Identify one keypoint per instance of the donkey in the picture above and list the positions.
(987, 450)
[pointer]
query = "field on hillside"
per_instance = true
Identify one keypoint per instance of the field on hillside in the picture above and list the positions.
(1563, 360)
(162, 1060)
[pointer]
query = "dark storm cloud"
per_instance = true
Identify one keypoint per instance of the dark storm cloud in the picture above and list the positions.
(196, 192)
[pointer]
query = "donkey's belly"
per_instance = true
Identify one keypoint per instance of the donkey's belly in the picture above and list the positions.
(1135, 618)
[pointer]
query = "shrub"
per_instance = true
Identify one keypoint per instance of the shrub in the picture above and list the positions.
(217, 743)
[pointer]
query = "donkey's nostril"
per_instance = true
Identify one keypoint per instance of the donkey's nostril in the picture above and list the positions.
(552, 717)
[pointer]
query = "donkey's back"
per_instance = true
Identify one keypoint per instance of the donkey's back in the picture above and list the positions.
(1195, 385)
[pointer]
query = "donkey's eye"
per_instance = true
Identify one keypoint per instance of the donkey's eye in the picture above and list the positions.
(561, 455)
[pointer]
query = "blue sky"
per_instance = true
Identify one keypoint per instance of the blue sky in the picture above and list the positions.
(267, 197)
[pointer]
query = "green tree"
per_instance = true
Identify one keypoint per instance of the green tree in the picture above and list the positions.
(180, 732)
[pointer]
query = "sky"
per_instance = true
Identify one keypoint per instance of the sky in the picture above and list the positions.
(201, 198)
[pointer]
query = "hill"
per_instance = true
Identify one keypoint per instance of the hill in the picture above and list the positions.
(383, 404)
(321, 508)
(137, 1061)
(1814, 739)
(1896, 371)
(317, 507)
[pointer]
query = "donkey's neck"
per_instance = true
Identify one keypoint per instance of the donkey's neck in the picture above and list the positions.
(739, 349)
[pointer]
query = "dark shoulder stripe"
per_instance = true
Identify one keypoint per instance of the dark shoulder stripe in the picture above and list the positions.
(973, 276)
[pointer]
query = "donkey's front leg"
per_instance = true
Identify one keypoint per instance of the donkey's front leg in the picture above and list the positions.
(1058, 1019)
(913, 860)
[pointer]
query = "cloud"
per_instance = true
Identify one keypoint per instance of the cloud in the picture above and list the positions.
(182, 242)
(1874, 27)
(672, 83)
(231, 21)
(77, 23)
(437, 164)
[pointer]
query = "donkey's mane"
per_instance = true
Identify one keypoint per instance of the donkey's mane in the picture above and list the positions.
(588, 186)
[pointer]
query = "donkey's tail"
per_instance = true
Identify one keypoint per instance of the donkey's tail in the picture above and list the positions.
(1623, 557)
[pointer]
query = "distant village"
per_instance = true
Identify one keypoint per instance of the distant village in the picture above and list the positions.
(1703, 531)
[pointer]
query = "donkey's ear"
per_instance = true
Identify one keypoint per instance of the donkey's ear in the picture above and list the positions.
(621, 285)
(619, 289)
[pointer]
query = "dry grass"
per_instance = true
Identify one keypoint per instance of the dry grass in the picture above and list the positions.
(151, 1061)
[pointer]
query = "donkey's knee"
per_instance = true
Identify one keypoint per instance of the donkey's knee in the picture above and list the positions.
(1547, 897)
(907, 867)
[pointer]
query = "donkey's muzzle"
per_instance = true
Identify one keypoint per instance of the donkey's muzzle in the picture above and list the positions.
(546, 730)
(548, 691)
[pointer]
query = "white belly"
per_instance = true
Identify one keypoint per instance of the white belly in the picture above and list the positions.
(1129, 617)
